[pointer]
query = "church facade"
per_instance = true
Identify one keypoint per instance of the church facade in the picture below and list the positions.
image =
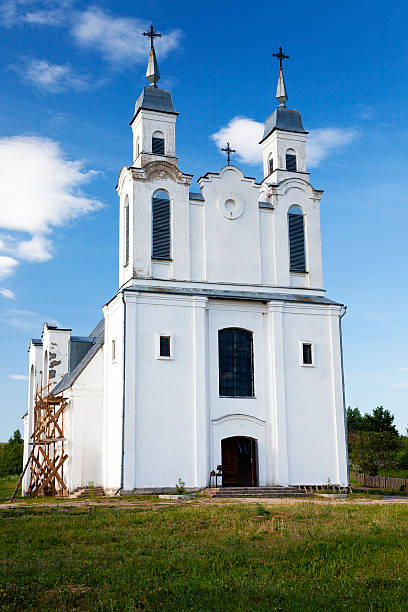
(220, 347)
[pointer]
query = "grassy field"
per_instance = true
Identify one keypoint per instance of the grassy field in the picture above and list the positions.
(216, 557)
(7, 486)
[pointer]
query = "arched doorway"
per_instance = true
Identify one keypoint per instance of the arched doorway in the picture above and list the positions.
(239, 465)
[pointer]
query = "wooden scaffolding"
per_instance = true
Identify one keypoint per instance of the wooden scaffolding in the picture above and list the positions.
(47, 457)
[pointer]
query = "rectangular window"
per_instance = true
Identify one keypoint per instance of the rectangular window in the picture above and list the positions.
(165, 346)
(113, 350)
(161, 248)
(157, 146)
(291, 162)
(126, 234)
(307, 354)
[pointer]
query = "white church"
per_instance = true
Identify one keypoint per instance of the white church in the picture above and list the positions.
(220, 347)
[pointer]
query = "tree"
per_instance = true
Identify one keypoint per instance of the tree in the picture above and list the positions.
(354, 420)
(380, 420)
(372, 451)
(11, 455)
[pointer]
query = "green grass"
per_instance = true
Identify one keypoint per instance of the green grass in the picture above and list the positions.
(7, 486)
(192, 557)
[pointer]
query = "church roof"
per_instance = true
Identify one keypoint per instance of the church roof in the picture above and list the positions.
(155, 99)
(95, 341)
(286, 119)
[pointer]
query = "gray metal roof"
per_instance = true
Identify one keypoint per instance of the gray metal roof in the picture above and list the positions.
(37, 341)
(196, 196)
(234, 294)
(155, 99)
(285, 119)
(265, 205)
(98, 337)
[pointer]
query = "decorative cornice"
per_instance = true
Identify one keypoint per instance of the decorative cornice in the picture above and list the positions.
(238, 417)
(160, 170)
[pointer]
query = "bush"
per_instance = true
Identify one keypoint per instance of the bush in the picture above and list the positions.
(373, 451)
(11, 456)
(402, 459)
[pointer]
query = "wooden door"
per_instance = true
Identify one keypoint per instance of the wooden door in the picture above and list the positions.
(229, 462)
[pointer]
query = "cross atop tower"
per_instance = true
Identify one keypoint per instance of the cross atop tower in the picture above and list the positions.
(152, 35)
(280, 55)
(152, 73)
(228, 151)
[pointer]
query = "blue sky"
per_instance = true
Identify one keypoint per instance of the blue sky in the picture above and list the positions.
(70, 75)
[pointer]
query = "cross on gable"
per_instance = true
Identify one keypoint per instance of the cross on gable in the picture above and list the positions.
(281, 56)
(152, 35)
(228, 151)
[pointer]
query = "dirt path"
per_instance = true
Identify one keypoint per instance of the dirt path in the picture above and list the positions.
(202, 501)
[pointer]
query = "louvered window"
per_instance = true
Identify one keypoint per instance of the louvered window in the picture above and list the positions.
(161, 235)
(271, 165)
(126, 258)
(290, 162)
(236, 362)
(296, 240)
(158, 145)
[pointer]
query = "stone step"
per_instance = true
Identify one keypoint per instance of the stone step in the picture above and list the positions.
(274, 491)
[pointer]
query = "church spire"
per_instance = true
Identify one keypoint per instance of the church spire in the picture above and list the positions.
(152, 72)
(281, 91)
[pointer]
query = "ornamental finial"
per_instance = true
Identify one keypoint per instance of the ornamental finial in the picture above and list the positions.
(152, 72)
(281, 91)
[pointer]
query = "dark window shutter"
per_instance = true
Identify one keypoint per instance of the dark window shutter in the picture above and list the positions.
(291, 162)
(271, 166)
(161, 228)
(126, 234)
(236, 363)
(296, 243)
(157, 146)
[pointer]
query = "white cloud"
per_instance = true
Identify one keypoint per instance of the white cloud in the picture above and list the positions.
(118, 38)
(52, 78)
(54, 196)
(26, 319)
(34, 12)
(7, 293)
(244, 135)
(324, 141)
(7, 266)
(18, 376)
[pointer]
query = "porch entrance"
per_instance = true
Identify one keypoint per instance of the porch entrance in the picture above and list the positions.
(239, 467)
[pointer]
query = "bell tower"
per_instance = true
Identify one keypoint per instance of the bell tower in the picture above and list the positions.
(154, 121)
(284, 139)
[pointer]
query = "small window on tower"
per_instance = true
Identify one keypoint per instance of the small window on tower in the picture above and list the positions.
(291, 160)
(307, 354)
(158, 143)
(271, 165)
(113, 351)
(164, 346)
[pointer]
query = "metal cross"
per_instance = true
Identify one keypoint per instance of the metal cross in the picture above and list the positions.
(228, 151)
(152, 35)
(281, 56)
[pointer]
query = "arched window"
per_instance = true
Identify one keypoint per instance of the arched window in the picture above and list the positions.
(291, 160)
(296, 239)
(161, 230)
(32, 387)
(158, 143)
(137, 147)
(126, 232)
(270, 163)
(235, 362)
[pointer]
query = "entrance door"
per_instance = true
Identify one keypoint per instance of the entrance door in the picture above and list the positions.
(238, 462)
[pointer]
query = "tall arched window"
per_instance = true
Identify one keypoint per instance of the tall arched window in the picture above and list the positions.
(161, 228)
(270, 164)
(291, 160)
(126, 232)
(235, 362)
(45, 373)
(296, 239)
(32, 386)
(158, 143)
(137, 147)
